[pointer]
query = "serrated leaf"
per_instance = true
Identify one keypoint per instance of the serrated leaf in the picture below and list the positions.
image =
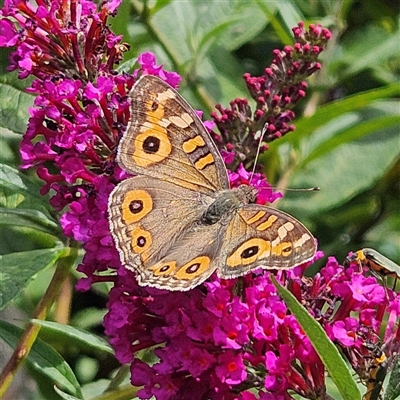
(45, 360)
(18, 269)
(80, 337)
(329, 354)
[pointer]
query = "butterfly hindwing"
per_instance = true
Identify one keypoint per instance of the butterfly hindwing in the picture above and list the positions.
(261, 236)
(147, 216)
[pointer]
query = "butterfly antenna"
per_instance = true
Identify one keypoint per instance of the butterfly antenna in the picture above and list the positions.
(310, 189)
(261, 133)
(258, 149)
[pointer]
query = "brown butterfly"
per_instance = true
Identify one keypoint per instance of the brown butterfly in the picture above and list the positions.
(178, 221)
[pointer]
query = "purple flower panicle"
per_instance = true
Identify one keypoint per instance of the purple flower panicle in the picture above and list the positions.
(275, 93)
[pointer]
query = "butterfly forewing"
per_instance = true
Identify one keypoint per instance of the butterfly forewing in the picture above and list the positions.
(164, 130)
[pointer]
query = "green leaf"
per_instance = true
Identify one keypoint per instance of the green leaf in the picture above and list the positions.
(205, 30)
(18, 183)
(160, 4)
(80, 337)
(28, 218)
(282, 30)
(89, 317)
(367, 48)
(330, 356)
(9, 145)
(22, 204)
(64, 395)
(343, 157)
(291, 16)
(306, 126)
(18, 269)
(392, 391)
(127, 66)
(235, 22)
(14, 105)
(44, 360)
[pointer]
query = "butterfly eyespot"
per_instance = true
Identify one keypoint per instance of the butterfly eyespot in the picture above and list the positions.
(141, 241)
(287, 250)
(193, 268)
(249, 252)
(164, 268)
(136, 205)
(151, 145)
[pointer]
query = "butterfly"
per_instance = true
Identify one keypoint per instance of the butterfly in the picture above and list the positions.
(177, 221)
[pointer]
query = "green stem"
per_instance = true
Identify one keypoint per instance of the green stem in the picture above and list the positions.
(31, 331)
(145, 18)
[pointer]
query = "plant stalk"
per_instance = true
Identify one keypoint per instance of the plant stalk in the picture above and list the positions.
(31, 331)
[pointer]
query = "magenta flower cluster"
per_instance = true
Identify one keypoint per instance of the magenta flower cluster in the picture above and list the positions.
(275, 93)
(225, 339)
(216, 344)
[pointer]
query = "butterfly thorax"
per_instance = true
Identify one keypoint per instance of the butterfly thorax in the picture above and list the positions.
(226, 202)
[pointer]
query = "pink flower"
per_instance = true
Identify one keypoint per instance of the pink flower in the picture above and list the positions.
(230, 368)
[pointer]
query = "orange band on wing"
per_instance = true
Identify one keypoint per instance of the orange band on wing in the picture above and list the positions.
(204, 161)
(192, 144)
